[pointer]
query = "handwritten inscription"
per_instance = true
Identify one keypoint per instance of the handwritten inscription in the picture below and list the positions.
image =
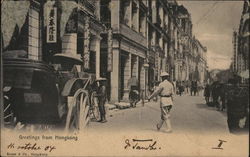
(31, 146)
(141, 144)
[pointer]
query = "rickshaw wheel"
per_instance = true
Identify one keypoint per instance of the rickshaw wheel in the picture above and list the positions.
(8, 112)
(78, 109)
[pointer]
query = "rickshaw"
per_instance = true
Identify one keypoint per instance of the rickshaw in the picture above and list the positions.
(36, 92)
(237, 102)
(134, 94)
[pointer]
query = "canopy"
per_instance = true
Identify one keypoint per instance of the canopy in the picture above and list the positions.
(12, 13)
(69, 56)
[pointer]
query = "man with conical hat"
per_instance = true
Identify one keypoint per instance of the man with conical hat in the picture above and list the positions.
(165, 91)
(101, 95)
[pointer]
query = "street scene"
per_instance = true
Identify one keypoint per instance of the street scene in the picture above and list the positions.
(165, 68)
(187, 116)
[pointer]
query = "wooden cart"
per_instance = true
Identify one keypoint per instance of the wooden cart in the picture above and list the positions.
(38, 93)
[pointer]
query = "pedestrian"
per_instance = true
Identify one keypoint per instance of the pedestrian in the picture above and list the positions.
(165, 91)
(195, 88)
(192, 88)
(188, 86)
(207, 93)
(134, 95)
(101, 95)
(215, 93)
(155, 88)
(179, 88)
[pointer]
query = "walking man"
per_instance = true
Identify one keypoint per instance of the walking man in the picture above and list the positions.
(165, 91)
(101, 95)
(207, 93)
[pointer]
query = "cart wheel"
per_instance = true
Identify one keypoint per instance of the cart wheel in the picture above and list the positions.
(78, 109)
(94, 108)
(8, 112)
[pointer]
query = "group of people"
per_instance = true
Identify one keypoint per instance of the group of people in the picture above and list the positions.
(234, 98)
(187, 87)
(216, 91)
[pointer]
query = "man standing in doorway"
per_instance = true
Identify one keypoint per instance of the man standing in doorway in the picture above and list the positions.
(165, 91)
(101, 95)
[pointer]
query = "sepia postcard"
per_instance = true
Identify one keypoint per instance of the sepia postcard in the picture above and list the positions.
(163, 78)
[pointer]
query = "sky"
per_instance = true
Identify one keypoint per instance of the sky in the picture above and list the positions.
(213, 25)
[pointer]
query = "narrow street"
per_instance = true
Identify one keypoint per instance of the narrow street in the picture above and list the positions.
(197, 129)
(189, 114)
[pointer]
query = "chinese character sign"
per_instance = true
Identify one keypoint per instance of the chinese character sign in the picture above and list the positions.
(51, 25)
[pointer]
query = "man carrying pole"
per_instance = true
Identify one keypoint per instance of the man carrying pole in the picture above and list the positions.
(165, 91)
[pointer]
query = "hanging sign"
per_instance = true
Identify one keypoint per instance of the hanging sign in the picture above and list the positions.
(51, 25)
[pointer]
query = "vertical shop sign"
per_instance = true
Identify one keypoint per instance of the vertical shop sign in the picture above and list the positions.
(51, 25)
(110, 53)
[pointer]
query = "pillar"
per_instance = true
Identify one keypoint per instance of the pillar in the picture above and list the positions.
(146, 94)
(127, 76)
(135, 17)
(136, 66)
(128, 12)
(98, 56)
(115, 75)
(97, 10)
(115, 15)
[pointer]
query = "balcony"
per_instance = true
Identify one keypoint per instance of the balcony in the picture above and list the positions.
(133, 35)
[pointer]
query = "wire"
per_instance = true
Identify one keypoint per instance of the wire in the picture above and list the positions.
(204, 16)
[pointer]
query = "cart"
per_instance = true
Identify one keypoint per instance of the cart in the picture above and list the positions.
(36, 92)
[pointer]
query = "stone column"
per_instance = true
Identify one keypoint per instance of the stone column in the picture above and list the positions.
(128, 12)
(127, 76)
(115, 79)
(135, 18)
(115, 15)
(97, 10)
(98, 56)
(146, 66)
(136, 66)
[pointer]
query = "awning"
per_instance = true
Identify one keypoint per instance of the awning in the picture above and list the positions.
(69, 56)
(12, 13)
(67, 8)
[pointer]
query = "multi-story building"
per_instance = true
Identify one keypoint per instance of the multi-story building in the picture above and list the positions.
(116, 39)
(21, 25)
(201, 63)
(128, 22)
(54, 28)
(243, 42)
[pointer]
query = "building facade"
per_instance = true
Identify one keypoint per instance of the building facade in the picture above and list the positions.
(115, 39)
(241, 39)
